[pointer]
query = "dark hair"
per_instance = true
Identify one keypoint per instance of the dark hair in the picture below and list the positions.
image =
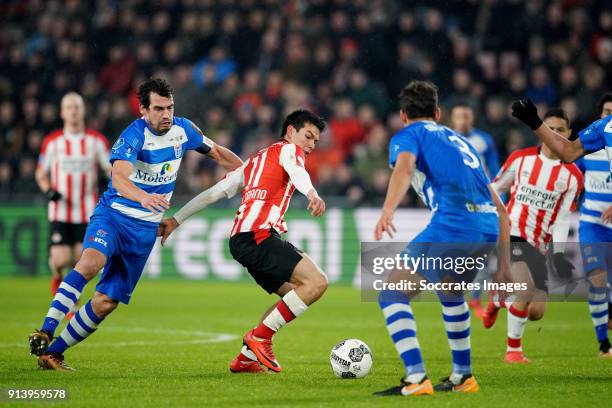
(557, 113)
(419, 99)
(156, 85)
(607, 97)
(299, 118)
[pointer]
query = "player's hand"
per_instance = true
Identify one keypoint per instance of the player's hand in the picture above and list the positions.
(53, 195)
(526, 111)
(563, 267)
(316, 205)
(165, 228)
(155, 203)
(607, 215)
(385, 224)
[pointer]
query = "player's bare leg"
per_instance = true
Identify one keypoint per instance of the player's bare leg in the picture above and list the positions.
(536, 310)
(309, 283)
(59, 259)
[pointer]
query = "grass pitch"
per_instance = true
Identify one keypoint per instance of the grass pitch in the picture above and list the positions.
(173, 344)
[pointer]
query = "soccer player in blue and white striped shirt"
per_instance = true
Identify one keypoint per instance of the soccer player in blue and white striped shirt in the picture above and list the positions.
(123, 228)
(594, 229)
(595, 144)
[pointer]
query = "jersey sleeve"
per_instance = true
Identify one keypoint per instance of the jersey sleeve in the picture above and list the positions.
(292, 154)
(592, 138)
(560, 230)
(404, 141)
(506, 175)
(292, 159)
(227, 187)
(127, 146)
(196, 138)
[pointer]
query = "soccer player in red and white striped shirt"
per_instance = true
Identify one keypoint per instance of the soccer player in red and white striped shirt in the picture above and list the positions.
(542, 192)
(67, 174)
(268, 180)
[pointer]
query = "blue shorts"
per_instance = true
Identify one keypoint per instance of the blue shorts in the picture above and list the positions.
(595, 247)
(127, 243)
(441, 242)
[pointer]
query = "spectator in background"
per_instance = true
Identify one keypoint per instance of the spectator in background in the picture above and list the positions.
(541, 89)
(310, 55)
(116, 77)
(214, 69)
(372, 155)
(346, 129)
(6, 182)
(362, 92)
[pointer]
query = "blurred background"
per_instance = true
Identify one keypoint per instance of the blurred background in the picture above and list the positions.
(239, 66)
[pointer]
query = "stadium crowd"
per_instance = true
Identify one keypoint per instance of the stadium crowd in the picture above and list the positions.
(238, 66)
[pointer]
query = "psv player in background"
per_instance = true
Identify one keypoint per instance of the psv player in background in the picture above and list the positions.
(542, 192)
(596, 221)
(67, 174)
(268, 180)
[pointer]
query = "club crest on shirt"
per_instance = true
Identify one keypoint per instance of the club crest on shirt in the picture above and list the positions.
(178, 150)
(560, 185)
(118, 144)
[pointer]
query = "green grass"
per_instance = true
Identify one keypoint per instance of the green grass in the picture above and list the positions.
(145, 355)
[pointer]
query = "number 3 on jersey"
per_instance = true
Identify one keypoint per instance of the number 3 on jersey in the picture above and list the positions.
(469, 159)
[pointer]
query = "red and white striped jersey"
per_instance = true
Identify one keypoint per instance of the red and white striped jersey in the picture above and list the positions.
(267, 190)
(542, 192)
(72, 162)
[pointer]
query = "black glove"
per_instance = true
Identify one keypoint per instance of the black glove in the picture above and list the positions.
(563, 267)
(525, 111)
(52, 195)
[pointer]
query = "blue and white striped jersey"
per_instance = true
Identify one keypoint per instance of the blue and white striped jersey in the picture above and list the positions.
(597, 168)
(449, 176)
(156, 160)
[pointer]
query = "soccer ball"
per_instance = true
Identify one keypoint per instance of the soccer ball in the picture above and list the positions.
(351, 358)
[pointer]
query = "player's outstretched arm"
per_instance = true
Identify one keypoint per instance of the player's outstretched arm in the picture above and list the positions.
(300, 178)
(225, 157)
(227, 187)
(122, 169)
(568, 151)
(399, 183)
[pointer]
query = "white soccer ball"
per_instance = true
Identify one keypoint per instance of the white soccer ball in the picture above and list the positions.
(351, 358)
